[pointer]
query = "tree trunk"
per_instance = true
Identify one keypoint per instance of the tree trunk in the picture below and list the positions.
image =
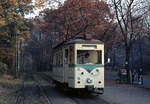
(141, 53)
(114, 59)
(127, 60)
(132, 57)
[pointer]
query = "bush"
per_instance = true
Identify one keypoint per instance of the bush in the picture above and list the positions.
(3, 68)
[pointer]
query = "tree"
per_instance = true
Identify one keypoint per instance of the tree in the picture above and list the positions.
(128, 15)
(14, 27)
(79, 17)
(74, 17)
(39, 46)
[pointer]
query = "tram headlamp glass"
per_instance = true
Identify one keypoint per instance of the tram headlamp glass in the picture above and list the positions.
(89, 80)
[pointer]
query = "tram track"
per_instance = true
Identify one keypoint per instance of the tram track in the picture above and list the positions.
(30, 91)
(19, 94)
(79, 99)
(43, 91)
(46, 78)
(18, 99)
(89, 99)
(44, 94)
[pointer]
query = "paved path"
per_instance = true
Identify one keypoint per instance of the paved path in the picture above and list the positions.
(125, 94)
(113, 76)
(115, 93)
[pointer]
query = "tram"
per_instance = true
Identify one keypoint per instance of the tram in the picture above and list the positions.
(79, 64)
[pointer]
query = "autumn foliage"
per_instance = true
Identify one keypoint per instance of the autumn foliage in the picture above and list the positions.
(13, 26)
(79, 17)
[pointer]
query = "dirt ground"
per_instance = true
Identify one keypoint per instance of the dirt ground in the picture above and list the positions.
(7, 85)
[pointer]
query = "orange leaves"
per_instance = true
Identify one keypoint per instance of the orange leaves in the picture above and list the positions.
(78, 17)
(13, 26)
(9, 3)
(7, 54)
(16, 3)
(39, 3)
(26, 1)
(13, 3)
(2, 22)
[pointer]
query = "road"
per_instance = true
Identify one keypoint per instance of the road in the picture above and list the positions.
(114, 94)
(39, 89)
(125, 93)
(36, 89)
(113, 76)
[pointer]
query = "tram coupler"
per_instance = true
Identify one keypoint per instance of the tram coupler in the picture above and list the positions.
(99, 90)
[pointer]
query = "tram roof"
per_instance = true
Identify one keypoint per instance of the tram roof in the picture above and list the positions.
(83, 41)
(80, 41)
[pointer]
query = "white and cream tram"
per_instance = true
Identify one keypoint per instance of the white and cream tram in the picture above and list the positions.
(79, 64)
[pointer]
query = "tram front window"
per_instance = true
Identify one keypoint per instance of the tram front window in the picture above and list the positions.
(89, 57)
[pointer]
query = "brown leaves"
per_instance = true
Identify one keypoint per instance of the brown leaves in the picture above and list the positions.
(12, 27)
(14, 3)
(39, 3)
(3, 22)
(93, 14)
(78, 17)
(9, 3)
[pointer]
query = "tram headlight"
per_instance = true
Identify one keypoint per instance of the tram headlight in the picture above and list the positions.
(89, 80)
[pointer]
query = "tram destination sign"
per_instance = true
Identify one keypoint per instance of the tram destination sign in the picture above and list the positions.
(89, 46)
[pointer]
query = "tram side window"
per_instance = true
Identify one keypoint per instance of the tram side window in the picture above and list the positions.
(54, 59)
(58, 61)
(99, 57)
(71, 55)
(66, 56)
(61, 59)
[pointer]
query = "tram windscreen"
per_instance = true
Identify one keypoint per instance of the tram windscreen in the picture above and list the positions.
(89, 57)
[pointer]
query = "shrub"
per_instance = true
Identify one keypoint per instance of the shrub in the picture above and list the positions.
(3, 68)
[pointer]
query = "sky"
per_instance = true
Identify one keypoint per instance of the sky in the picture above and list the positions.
(49, 4)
